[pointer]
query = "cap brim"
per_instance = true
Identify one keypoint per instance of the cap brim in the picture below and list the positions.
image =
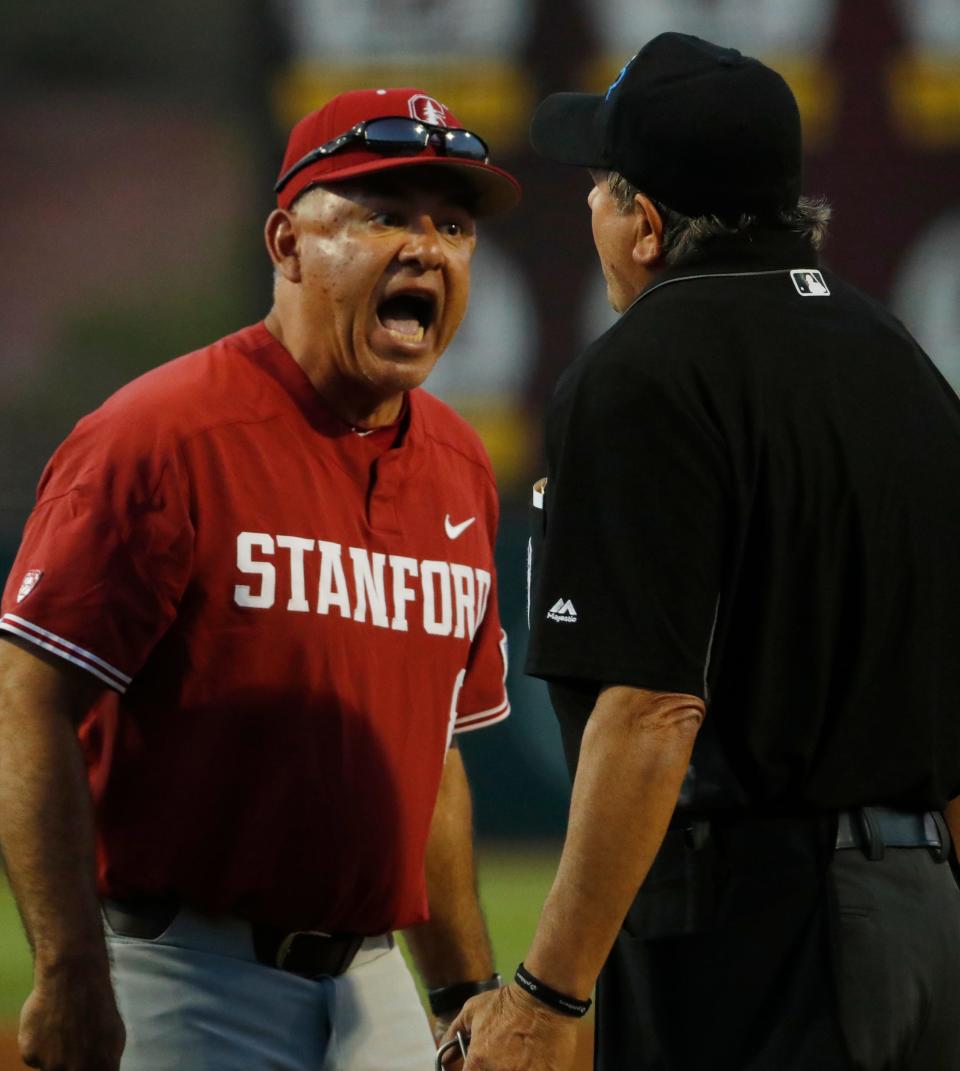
(496, 190)
(566, 127)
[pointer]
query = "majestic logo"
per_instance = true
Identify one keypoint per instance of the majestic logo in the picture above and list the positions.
(563, 611)
(427, 110)
(809, 283)
(454, 531)
(29, 582)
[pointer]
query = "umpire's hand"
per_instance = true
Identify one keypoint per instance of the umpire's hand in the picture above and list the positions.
(70, 1022)
(512, 1031)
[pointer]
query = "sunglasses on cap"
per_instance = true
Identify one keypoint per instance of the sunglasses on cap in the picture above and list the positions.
(400, 135)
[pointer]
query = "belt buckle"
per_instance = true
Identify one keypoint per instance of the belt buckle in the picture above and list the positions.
(286, 945)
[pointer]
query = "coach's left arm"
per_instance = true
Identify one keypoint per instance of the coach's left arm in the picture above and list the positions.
(453, 946)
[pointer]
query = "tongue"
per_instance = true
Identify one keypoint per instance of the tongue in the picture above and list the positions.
(402, 325)
(400, 314)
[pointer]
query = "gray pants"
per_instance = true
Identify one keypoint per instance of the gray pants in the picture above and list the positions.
(765, 950)
(898, 961)
(196, 998)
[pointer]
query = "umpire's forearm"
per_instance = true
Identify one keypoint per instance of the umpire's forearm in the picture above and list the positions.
(454, 945)
(46, 829)
(634, 755)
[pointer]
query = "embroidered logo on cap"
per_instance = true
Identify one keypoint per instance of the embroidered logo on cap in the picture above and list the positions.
(29, 582)
(809, 283)
(427, 110)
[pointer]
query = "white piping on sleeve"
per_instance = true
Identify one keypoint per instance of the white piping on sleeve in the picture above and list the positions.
(70, 652)
(477, 718)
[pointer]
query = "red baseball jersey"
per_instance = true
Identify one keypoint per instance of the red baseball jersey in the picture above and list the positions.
(291, 621)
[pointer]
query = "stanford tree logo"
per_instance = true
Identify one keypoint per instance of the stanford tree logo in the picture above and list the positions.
(427, 110)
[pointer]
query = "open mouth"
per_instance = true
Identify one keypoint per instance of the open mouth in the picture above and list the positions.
(408, 316)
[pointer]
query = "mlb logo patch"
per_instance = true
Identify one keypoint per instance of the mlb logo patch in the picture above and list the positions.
(427, 110)
(809, 283)
(29, 582)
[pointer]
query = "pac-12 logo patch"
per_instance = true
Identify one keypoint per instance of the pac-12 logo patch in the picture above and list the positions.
(427, 110)
(809, 283)
(30, 580)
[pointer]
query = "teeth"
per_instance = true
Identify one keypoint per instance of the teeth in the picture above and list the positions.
(417, 335)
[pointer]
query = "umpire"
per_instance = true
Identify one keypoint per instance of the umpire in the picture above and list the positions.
(751, 524)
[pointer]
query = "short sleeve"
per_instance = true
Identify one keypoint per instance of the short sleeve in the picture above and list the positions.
(626, 585)
(106, 552)
(481, 696)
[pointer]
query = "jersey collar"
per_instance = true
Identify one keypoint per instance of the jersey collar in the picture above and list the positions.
(272, 358)
(761, 252)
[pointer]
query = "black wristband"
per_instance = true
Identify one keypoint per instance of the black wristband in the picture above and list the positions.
(560, 1002)
(448, 998)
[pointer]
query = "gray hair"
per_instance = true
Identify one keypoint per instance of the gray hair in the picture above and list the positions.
(685, 236)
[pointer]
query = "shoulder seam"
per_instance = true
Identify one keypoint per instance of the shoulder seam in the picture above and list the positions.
(176, 443)
(182, 440)
(481, 464)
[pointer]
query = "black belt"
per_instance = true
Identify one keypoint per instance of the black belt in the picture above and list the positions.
(304, 952)
(872, 829)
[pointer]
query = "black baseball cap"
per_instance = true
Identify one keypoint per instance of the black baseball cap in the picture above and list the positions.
(700, 128)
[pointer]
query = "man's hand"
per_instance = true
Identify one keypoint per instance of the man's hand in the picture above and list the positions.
(512, 1031)
(70, 1022)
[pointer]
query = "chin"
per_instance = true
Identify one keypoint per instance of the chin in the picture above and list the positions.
(395, 375)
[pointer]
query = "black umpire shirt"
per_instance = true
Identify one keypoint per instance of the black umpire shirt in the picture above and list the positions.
(754, 497)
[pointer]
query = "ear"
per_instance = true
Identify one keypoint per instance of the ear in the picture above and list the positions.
(648, 244)
(280, 235)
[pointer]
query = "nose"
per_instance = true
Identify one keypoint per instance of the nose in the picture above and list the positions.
(422, 246)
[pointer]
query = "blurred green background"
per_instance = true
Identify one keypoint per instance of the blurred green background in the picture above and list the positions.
(15, 968)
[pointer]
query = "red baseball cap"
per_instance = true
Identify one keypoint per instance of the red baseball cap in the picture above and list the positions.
(496, 189)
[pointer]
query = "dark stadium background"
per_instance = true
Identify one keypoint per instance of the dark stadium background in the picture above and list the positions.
(138, 144)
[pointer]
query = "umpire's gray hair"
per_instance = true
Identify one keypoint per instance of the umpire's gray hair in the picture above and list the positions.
(685, 236)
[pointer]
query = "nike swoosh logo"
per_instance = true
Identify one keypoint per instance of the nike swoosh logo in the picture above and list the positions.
(456, 530)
